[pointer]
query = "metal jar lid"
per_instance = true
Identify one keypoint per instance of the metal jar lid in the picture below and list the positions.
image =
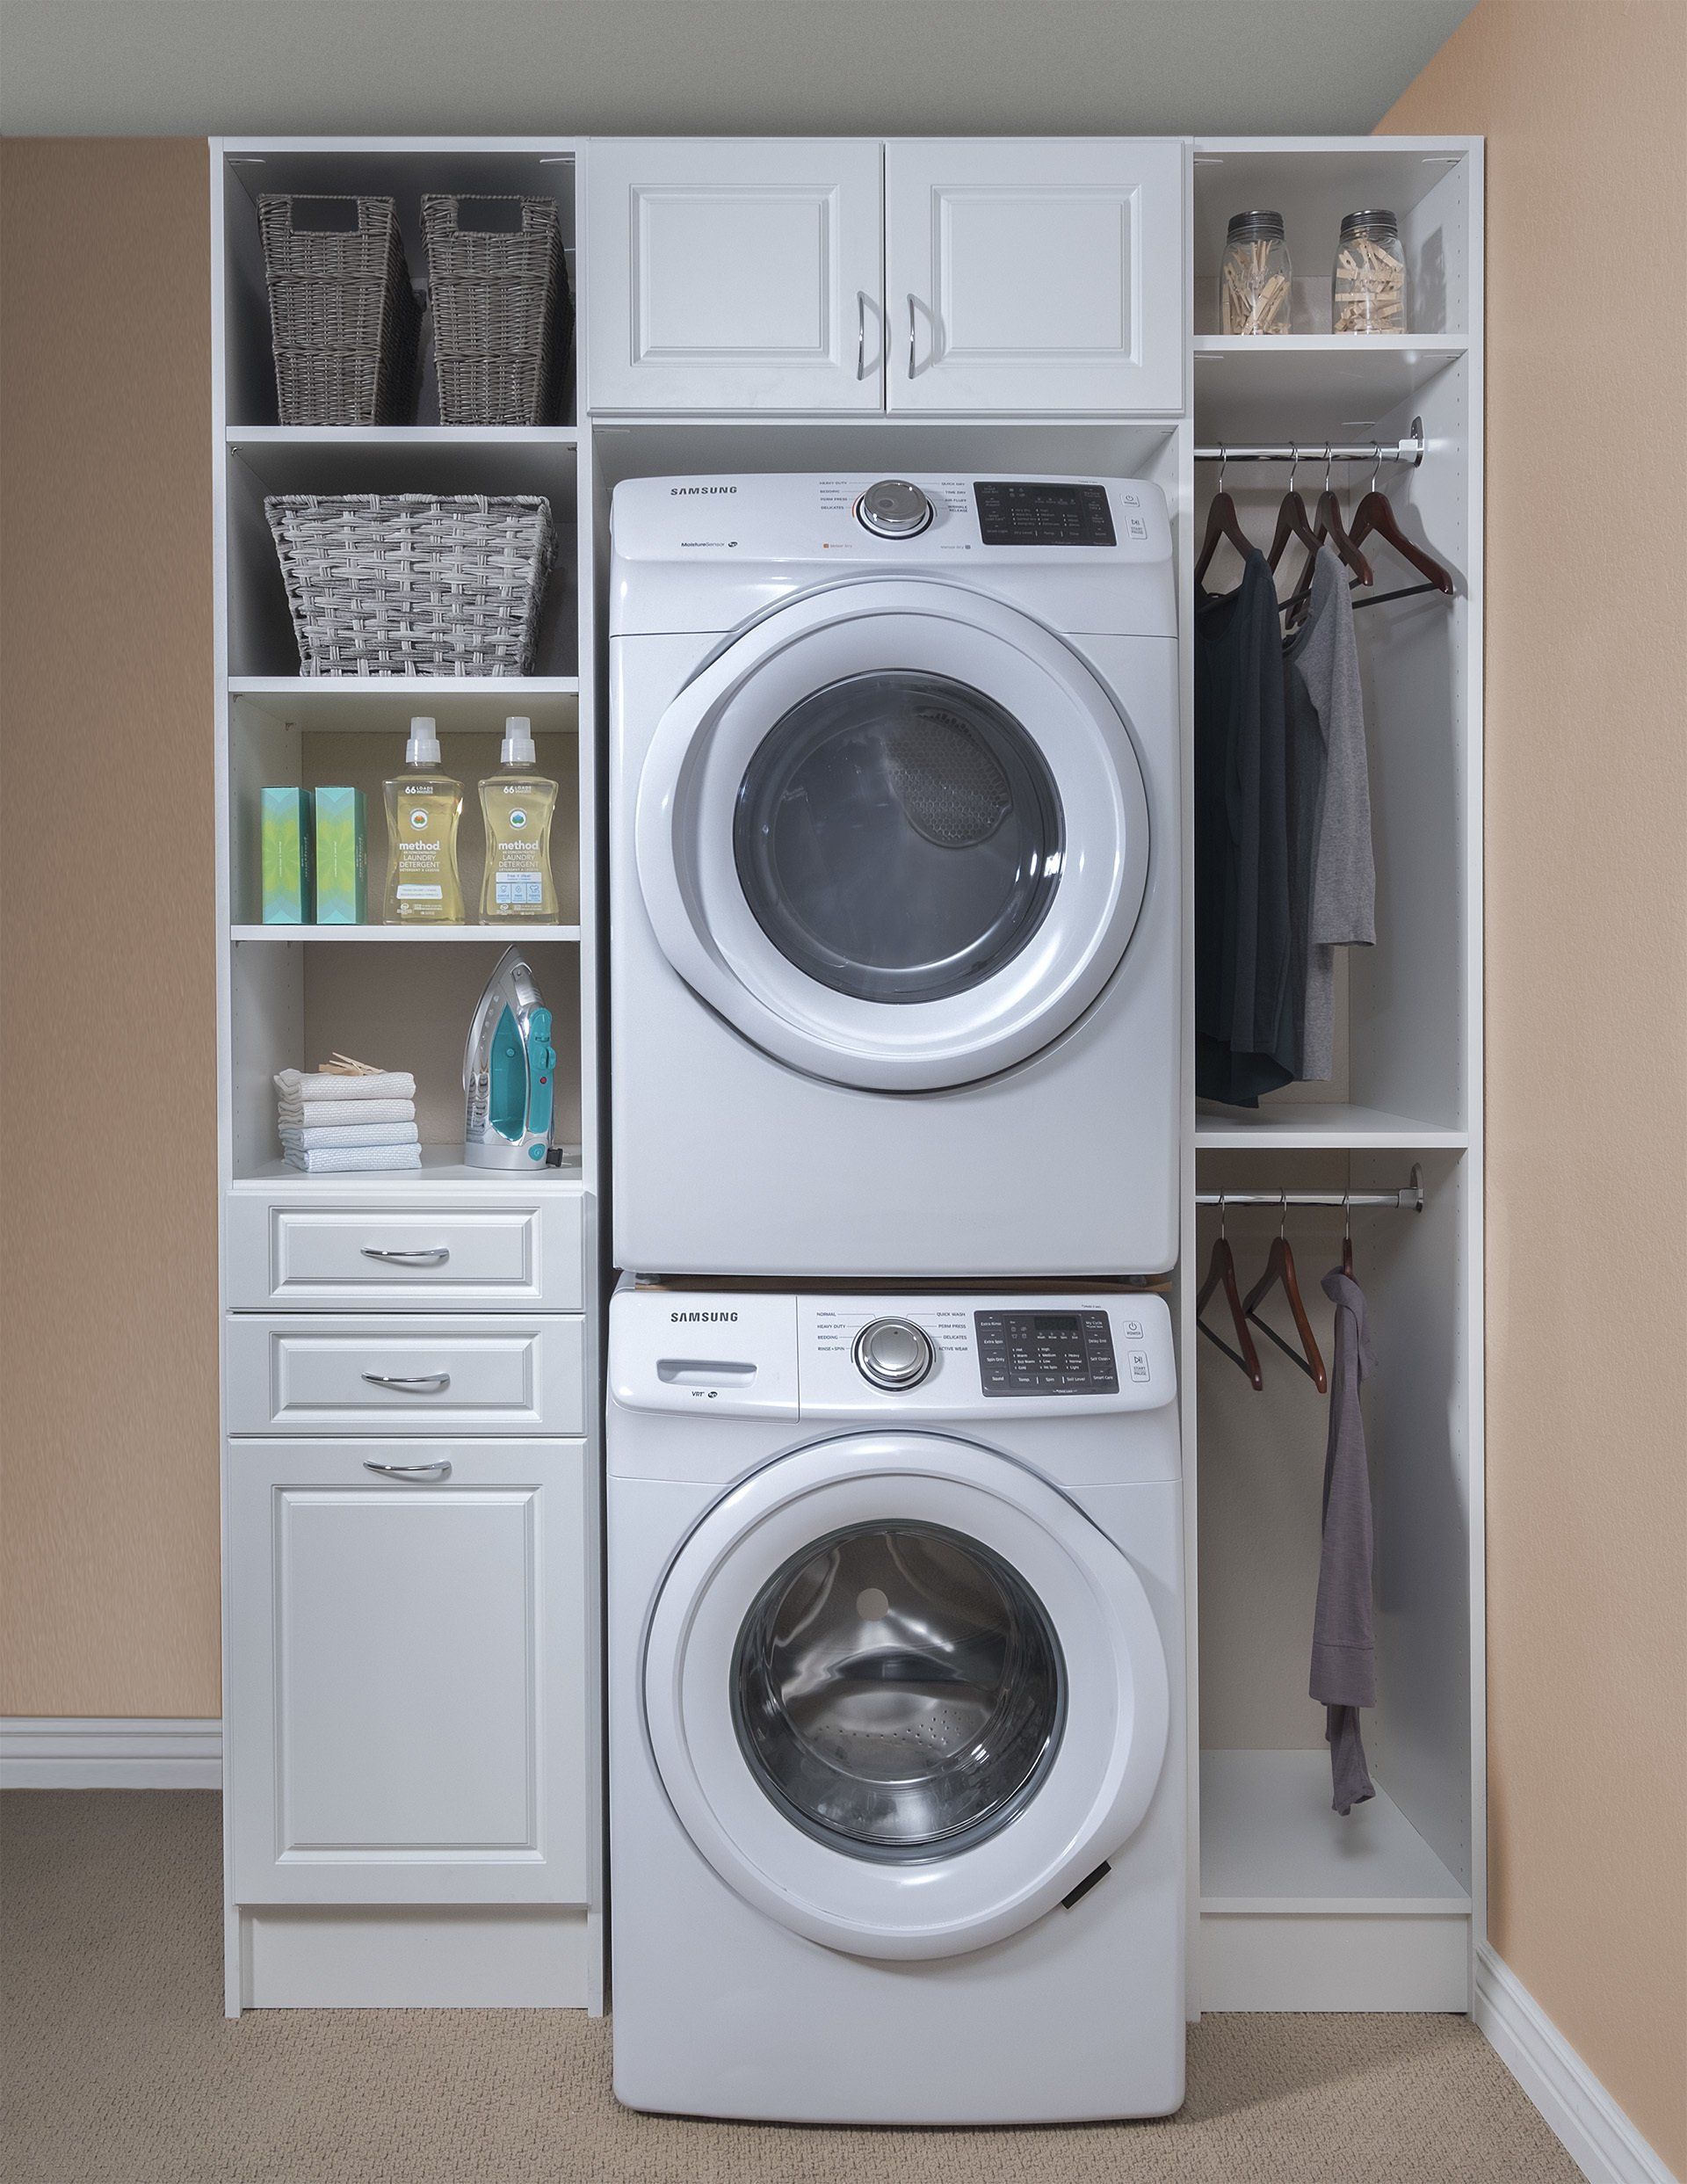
(1368, 223)
(1255, 226)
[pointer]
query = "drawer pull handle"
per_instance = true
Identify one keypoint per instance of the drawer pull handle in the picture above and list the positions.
(440, 1470)
(437, 1257)
(411, 1384)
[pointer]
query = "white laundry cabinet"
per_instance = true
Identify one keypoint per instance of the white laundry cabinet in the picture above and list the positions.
(411, 1362)
(413, 1706)
(922, 275)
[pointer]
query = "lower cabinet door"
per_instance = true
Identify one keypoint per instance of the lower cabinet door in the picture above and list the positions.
(405, 1717)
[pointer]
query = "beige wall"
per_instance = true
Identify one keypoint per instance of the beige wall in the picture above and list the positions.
(1587, 1013)
(109, 1573)
(108, 1555)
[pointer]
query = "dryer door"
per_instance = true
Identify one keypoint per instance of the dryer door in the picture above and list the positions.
(903, 1695)
(896, 833)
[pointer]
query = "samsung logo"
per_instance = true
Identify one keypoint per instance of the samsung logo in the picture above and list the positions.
(710, 1317)
(676, 490)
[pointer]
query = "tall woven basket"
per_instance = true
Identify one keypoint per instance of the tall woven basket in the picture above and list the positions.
(343, 320)
(414, 583)
(502, 315)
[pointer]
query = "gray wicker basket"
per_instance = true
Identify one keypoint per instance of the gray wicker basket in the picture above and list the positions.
(502, 315)
(413, 584)
(343, 320)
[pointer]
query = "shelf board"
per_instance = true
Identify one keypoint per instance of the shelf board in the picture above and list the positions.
(1278, 386)
(318, 436)
(1269, 1843)
(432, 934)
(1319, 1126)
(362, 705)
(440, 1165)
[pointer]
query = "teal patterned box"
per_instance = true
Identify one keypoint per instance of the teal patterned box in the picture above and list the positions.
(342, 858)
(286, 856)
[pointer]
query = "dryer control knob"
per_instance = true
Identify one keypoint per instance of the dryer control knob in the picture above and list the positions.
(893, 1354)
(893, 509)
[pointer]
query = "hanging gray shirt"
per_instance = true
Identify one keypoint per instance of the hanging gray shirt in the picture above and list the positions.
(1322, 680)
(1343, 1646)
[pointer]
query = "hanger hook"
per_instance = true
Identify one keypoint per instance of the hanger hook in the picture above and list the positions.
(1376, 463)
(1282, 1215)
(1224, 458)
(1346, 1216)
(1330, 463)
(1294, 463)
(1223, 1201)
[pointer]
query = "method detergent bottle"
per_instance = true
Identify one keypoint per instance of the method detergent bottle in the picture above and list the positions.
(423, 808)
(518, 805)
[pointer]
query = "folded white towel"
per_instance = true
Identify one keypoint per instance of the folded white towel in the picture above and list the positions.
(352, 1134)
(295, 1085)
(350, 1159)
(323, 1114)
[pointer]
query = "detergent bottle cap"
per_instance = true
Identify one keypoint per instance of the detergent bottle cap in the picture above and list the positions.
(518, 748)
(423, 746)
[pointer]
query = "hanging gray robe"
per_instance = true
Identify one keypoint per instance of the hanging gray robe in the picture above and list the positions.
(1343, 1651)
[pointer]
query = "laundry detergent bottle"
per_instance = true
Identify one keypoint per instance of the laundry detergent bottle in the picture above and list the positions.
(423, 808)
(518, 805)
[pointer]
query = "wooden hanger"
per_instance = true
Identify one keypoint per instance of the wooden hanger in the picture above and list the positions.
(1330, 526)
(1376, 514)
(1279, 1268)
(1222, 522)
(1221, 1269)
(1292, 521)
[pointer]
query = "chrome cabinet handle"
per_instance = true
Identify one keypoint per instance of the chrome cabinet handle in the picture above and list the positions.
(440, 1470)
(411, 1384)
(437, 1257)
(911, 335)
(860, 333)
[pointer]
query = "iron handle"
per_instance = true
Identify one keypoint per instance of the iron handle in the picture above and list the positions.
(441, 1470)
(911, 334)
(411, 1384)
(437, 1257)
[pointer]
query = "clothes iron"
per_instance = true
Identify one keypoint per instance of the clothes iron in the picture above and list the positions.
(509, 1071)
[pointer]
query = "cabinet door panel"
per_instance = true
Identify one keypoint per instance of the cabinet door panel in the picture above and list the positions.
(730, 275)
(406, 1662)
(1036, 275)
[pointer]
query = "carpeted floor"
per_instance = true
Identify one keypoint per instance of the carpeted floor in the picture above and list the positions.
(120, 2067)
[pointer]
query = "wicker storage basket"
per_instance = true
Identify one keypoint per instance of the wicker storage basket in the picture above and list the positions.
(502, 315)
(413, 584)
(343, 320)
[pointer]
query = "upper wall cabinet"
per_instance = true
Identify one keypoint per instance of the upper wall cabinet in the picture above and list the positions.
(730, 274)
(1035, 276)
(947, 276)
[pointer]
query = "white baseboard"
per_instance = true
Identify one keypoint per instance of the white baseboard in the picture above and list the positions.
(1596, 2134)
(76, 1753)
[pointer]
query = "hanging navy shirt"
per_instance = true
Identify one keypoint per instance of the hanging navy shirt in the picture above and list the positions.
(1245, 984)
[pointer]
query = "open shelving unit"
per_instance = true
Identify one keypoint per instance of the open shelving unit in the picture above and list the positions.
(402, 996)
(1295, 1907)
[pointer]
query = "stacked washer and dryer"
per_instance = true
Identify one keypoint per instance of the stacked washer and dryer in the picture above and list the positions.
(897, 1720)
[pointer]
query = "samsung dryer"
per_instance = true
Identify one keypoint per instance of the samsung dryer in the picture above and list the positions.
(894, 876)
(896, 1705)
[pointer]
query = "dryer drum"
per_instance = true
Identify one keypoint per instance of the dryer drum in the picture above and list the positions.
(950, 787)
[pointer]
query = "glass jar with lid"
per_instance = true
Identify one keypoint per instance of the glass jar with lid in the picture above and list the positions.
(1254, 279)
(1368, 294)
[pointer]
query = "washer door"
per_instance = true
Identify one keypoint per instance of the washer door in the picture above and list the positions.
(896, 833)
(903, 1695)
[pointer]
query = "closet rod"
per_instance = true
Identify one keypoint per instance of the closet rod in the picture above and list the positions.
(1410, 1200)
(1408, 450)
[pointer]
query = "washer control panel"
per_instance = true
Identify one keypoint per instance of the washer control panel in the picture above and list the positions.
(1046, 1354)
(894, 1353)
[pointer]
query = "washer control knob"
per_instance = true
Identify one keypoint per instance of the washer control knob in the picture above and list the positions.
(893, 509)
(893, 1354)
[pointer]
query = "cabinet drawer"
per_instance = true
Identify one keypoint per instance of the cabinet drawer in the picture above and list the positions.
(520, 1252)
(340, 1373)
(409, 1688)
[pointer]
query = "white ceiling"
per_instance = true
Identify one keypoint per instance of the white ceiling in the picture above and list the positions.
(196, 67)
